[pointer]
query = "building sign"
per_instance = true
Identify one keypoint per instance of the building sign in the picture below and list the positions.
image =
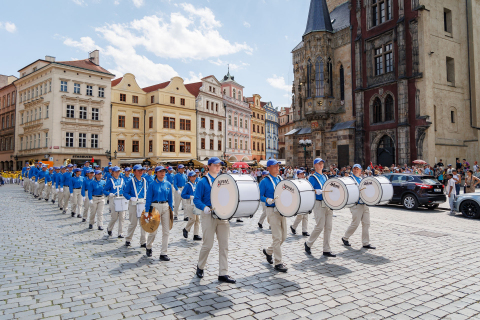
(81, 157)
(314, 125)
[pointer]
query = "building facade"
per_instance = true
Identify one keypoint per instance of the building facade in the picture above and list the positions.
(286, 125)
(238, 121)
(258, 127)
(63, 111)
(322, 97)
(271, 131)
(7, 129)
(210, 117)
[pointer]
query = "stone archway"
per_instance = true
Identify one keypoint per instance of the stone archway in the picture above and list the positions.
(375, 141)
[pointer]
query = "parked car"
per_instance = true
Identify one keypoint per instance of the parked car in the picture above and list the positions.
(468, 204)
(414, 190)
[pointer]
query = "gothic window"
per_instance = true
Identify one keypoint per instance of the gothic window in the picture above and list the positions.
(384, 59)
(342, 83)
(309, 74)
(389, 108)
(319, 77)
(381, 11)
(330, 76)
(377, 110)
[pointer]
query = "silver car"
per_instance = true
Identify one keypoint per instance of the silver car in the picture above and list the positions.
(468, 205)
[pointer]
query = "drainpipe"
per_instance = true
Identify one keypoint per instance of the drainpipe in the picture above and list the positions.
(144, 118)
(111, 116)
(469, 72)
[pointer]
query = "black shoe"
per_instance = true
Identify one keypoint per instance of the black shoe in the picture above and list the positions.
(46, 200)
(53, 201)
(73, 214)
(185, 219)
(346, 243)
(185, 233)
(293, 230)
(197, 238)
(143, 245)
(268, 256)
(175, 218)
(369, 246)
(307, 249)
(226, 279)
(164, 257)
(61, 209)
(83, 220)
(64, 212)
(90, 226)
(305, 234)
(100, 228)
(79, 215)
(238, 220)
(120, 236)
(149, 252)
(280, 267)
(109, 233)
(329, 254)
(260, 225)
(199, 273)
(127, 243)
(108, 201)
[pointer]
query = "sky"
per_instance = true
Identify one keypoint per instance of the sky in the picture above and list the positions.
(158, 39)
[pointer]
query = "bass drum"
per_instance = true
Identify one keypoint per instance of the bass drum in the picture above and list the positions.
(339, 193)
(234, 196)
(376, 190)
(294, 197)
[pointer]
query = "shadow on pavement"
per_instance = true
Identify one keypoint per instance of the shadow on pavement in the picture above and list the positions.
(363, 256)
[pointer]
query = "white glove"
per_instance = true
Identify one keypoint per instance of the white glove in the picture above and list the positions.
(133, 199)
(111, 195)
(206, 210)
(83, 199)
(91, 201)
(61, 189)
(36, 183)
(46, 184)
(318, 191)
(179, 191)
(270, 201)
(191, 197)
(57, 189)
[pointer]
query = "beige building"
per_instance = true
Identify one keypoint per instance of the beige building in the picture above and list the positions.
(63, 111)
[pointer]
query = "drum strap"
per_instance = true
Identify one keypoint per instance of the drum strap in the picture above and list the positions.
(144, 188)
(209, 180)
(356, 183)
(273, 183)
(318, 180)
(193, 187)
(117, 187)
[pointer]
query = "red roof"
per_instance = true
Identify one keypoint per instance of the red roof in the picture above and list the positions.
(84, 64)
(116, 81)
(194, 88)
(156, 87)
(263, 104)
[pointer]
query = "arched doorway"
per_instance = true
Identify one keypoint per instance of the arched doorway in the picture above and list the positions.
(386, 151)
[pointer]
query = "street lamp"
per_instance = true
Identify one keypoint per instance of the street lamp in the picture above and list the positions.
(305, 143)
(108, 154)
(115, 154)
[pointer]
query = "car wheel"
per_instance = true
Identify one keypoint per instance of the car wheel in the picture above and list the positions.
(410, 202)
(470, 209)
(432, 206)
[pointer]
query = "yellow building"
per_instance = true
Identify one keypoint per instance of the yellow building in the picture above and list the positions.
(258, 127)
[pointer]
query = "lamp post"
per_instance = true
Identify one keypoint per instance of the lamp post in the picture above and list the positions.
(305, 143)
(109, 155)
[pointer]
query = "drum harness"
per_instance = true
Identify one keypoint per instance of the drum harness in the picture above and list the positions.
(321, 186)
(274, 187)
(118, 187)
(356, 182)
(136, 193)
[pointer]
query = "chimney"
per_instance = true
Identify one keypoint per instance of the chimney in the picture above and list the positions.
(94, 57)
(50, 58)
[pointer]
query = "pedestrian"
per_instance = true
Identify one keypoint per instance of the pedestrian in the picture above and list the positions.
(471, 182)
(450, 189)
(458, 178)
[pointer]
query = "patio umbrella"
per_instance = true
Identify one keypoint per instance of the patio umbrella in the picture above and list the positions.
(420, 161)
(241, 165)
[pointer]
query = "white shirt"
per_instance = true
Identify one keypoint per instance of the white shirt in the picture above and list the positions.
(450, 184)
(456, 176)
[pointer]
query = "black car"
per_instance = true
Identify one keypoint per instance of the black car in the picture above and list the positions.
(414, 190)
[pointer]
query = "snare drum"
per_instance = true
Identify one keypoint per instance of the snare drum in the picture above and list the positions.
(376, 190)
(121, 204)
(234, 196)
(339, 193)
(294, 197)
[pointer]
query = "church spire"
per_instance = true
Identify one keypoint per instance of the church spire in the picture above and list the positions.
(318, 17)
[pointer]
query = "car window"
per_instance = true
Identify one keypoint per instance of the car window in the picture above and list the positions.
(430, 181)
(399, 179)
(387, 176)
(410, 178)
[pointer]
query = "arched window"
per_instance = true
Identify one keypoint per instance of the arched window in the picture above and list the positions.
(389, 109)
(309, 75)
(319, 77)
(234, 95)
(239, 95)
(330, 76)
(342, 83)
(377, 110)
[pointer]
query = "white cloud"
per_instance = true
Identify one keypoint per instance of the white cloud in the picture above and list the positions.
(279, 83)
(138, 3)
(246, 24)
(233, 66)
(79, 2)
(193, 77)
(9, 26)
(85, 44)
(116, 2)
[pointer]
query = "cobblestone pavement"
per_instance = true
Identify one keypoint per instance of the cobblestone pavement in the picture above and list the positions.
(426, 266)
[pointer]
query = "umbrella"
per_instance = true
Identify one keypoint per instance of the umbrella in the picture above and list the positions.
(241, 165)
(420, 161)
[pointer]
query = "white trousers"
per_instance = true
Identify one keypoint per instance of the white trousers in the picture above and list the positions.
(178, 199)
(301, 218)
(323, 220)
(360, 213)
(278, 223)
(134, 221)
(211, 227)
(165, 225)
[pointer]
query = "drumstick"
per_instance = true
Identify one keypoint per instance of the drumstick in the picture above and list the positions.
(276, 197)
(327, 191)
(363, 189)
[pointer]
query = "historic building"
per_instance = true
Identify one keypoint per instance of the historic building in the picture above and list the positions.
(63, 111)
(286, 123)
(415, 80)
(238, 121)
(258, 127)
(7, 129)
(210, 117)
(271, 131)
(322, 96)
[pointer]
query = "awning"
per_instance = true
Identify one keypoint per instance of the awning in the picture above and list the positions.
(344, 125)
(305, 131)
(128, 161)
(292, 132)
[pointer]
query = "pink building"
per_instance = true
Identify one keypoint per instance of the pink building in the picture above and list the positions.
(238, 121)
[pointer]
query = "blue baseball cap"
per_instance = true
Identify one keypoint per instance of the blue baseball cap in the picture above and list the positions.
(96, 166)
(109, 163)
(169, 168)
(51, 168)
(318, 160)
(75, 165)
(40, 162)
(234, 171)
(181, 166)
(214, 160)
(150, 169)
(62, 167)
(90, 171)
(357, 166)
(115, 169)
(191, 174)
(159, 168)
(300, 171)
(264, 172)
(69, 165)
(77, 170)
(98, 172)
(87, 161)
(272, 162)
(138, 167)
(196, 170)
(127, 169)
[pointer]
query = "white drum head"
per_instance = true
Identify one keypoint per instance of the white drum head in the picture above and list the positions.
(374, 189)
(224, 196)
(335, 194)
(288, 201)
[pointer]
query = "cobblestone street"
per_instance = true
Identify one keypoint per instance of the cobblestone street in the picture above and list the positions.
(426, 266)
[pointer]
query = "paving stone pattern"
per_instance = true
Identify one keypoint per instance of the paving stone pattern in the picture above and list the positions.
(53, 266)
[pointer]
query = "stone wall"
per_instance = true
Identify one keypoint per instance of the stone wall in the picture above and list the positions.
(332, 4)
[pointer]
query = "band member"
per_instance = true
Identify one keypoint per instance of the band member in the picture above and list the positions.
(277, 222)
(65, 186)
(86, 201)
(264, 208)
(86, 168)
(169, 175)
(97, 200)
(211, 225)
(24, 176)
(49, 184)
(193, 219)
(127, 176)
(26, 180)
(149, 175)
(76, 184)
(360, 213)
(323, 214)
(41, 181)
(114, 188)
(301, 217)
(179, 183)
(160, 197)
(59, 181)
(55, 185)
(136, 192)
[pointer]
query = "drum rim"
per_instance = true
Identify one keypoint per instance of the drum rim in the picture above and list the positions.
(345, 201)
(299, 202)
(381, 192)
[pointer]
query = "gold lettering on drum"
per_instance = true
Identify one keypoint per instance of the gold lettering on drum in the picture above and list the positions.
(333, 184)
(285, 187)
(223, 182)
(368, 183)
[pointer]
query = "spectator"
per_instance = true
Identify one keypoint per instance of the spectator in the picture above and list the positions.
(457, 178)
(450, 189)
(440, 163)
(471, 182)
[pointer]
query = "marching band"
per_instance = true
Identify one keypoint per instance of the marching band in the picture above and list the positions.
(153, 196)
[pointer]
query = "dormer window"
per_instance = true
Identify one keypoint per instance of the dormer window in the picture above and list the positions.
(234, 95)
